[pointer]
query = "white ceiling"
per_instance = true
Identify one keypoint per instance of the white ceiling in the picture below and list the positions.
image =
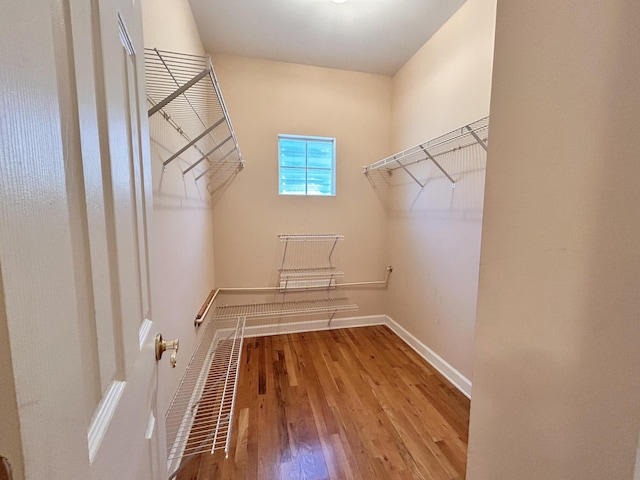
(376, 36)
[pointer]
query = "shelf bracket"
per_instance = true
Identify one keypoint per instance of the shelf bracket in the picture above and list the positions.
(284, 254)
(191, 143)
(333, 247)
(163, 103)
(430, 157)
(218, 163)
(478, 139)
(410, 174)
(192, 166)
(332, 315)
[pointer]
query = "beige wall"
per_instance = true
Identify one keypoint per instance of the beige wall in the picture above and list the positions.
(557, 365)
(434, 234)
(447, 82)
(182, 234)
(266, 98)
(169, 25)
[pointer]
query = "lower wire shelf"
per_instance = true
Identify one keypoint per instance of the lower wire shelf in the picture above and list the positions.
(286, 309)
(200, 416)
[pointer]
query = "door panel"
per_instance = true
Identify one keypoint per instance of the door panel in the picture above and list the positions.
(74, 260)
(132, 113)
(134, 416)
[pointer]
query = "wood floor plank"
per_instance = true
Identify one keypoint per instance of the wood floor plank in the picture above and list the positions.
(340, 405)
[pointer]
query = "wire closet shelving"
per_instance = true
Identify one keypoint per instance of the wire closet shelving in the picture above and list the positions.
(200, 416)
(475, 133)
(183, 88)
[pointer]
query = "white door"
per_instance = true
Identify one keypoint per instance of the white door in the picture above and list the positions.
(74, 200)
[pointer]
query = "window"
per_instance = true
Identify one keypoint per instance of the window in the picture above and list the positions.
(307, 165)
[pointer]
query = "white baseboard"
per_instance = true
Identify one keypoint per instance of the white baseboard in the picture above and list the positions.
(461, 382)
(436, 361)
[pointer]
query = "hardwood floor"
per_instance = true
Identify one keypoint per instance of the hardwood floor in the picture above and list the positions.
(340, 404)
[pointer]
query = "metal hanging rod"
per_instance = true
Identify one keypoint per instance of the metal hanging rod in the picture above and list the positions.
(183, 88)
(466, 136)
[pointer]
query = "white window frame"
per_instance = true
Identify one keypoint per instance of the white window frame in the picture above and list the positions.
(308, 138)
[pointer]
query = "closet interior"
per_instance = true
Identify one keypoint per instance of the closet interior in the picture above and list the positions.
(200, 416)
(184, 91)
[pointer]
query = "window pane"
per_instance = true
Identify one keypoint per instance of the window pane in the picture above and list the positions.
(319, 154)
(292, 181)
(292, 153)
(306, 165)
(319, 182)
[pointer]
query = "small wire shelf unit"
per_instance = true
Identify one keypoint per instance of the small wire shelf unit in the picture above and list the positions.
(183, 89)
(475, 133)
(307, 261)
(200, 416)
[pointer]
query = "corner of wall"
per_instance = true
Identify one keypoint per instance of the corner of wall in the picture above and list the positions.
(11, 438)
(447, 82)
(434, 231)
(170, 25)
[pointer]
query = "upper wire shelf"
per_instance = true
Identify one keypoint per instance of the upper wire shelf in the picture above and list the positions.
(463, 137)
(183, 88)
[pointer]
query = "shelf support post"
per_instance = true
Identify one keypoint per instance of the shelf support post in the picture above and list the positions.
(284, 254)
(163, 103)
(478, 139)
(430, 157)
(333, 247)
(219, 162)
(411, 174)
(191, 143)
(332, 315)
(192, 166)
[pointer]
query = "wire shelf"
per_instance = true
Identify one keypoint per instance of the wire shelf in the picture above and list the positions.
(322, 277)
(475, 133)
(286, 308)
(319, 237)
(307, 261)
(200, 416)
(302, 273)
(184, 90)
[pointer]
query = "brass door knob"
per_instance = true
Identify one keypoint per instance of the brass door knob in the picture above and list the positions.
(164, 345)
